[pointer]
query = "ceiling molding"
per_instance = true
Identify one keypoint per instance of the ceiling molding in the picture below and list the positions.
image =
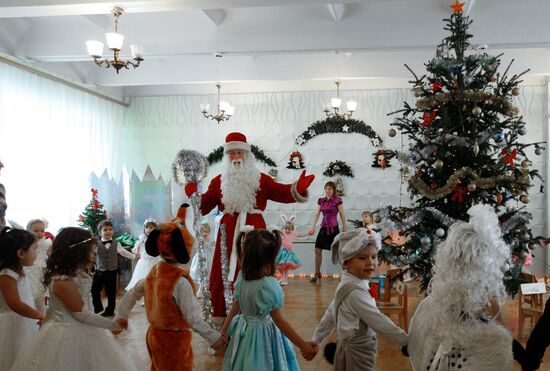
(337, 11)
(36, 8)
(100, 21)
(215, 15)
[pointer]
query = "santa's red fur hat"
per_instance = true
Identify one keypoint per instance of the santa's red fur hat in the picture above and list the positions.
(236, 141)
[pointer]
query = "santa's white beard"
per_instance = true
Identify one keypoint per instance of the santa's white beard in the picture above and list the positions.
(240, 182)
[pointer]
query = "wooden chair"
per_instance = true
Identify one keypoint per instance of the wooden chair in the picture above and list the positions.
(399, 291)
(530, 306)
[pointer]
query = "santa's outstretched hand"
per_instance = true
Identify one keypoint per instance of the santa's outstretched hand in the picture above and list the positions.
(190, 188)
(304, 182)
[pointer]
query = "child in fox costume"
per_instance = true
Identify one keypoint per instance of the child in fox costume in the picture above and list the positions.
(170, 302)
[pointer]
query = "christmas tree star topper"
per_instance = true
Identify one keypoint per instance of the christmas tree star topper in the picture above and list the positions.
(457, 7)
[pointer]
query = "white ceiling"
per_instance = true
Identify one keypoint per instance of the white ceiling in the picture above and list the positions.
(266, 44)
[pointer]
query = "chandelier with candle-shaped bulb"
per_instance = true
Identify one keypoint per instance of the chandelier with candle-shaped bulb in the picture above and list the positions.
(224, 109)
(332, 109)
(114, 42)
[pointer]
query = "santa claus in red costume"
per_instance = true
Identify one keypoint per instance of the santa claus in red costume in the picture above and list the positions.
(241, 193)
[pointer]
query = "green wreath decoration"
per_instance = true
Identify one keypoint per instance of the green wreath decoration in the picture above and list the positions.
(338, 167)
(217, 155)
(339, 125)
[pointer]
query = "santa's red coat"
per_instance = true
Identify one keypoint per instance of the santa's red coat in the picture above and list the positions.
(268, 190)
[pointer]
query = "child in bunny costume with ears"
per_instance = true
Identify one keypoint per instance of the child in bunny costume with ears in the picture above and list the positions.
(286, 259)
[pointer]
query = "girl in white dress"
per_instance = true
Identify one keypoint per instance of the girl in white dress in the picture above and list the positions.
(146, 261)
(18, 314)
(72, 336)
(35, 273)
(208, 248)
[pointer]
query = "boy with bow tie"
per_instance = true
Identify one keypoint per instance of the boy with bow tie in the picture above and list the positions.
(106, 268)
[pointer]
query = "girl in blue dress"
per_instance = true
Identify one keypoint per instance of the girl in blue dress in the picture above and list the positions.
(260, 334)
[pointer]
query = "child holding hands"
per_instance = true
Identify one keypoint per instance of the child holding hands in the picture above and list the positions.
(170, 302)
(259, 334)
(18, 313)
(286, 258)
(353, 311)
(72, 336)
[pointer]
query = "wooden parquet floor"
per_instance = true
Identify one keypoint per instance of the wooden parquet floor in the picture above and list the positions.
(305, 304)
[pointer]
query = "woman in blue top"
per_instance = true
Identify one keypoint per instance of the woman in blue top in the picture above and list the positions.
(259, 334)
(330, 205)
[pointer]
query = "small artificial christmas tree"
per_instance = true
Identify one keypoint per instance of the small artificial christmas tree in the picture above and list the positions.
(92, 214)
(464, 149)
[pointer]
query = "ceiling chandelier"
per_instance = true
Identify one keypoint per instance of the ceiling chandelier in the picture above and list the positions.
(114, 42)
(224, 112)
(335, 104)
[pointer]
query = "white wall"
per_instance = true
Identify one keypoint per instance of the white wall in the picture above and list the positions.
(158, 127)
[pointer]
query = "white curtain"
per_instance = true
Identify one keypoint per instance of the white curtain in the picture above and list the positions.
(51, 138)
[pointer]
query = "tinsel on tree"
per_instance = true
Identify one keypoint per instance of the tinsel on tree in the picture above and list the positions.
(92, 214)
(464, 137)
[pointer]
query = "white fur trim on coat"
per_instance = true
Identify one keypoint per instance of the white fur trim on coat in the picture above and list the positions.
(232, 146)
(298, 197)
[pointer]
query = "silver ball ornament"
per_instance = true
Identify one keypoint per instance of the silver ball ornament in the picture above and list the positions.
(525, 236)
(438, 164)
(440, 232)
(425, 240)
(538, 151)
(522, 131)
(476, 111)
(524, 199)
(392, 132)
(505, 267)
(475, 149)
(515, 91)
(472, 187)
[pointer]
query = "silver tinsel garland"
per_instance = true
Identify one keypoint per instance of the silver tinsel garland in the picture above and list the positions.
(389, 224)
(204, 279)
(521, 217)
(443, 218)
(227, 294)
(414, 219)
(191, 166)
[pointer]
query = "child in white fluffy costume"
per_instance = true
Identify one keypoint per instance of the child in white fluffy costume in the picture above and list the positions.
(457, 326)
(353, 311)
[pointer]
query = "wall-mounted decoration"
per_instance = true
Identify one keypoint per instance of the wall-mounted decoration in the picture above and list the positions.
(332, 125)
(217, 155)
(296, 161)
(340, 191)
(338, 168)
(382, 158)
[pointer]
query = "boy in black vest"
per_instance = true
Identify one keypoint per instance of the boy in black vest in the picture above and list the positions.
(106, 269)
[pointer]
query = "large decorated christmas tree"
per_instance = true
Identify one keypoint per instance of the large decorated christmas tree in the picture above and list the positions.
(464, 136)
(92, 214)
